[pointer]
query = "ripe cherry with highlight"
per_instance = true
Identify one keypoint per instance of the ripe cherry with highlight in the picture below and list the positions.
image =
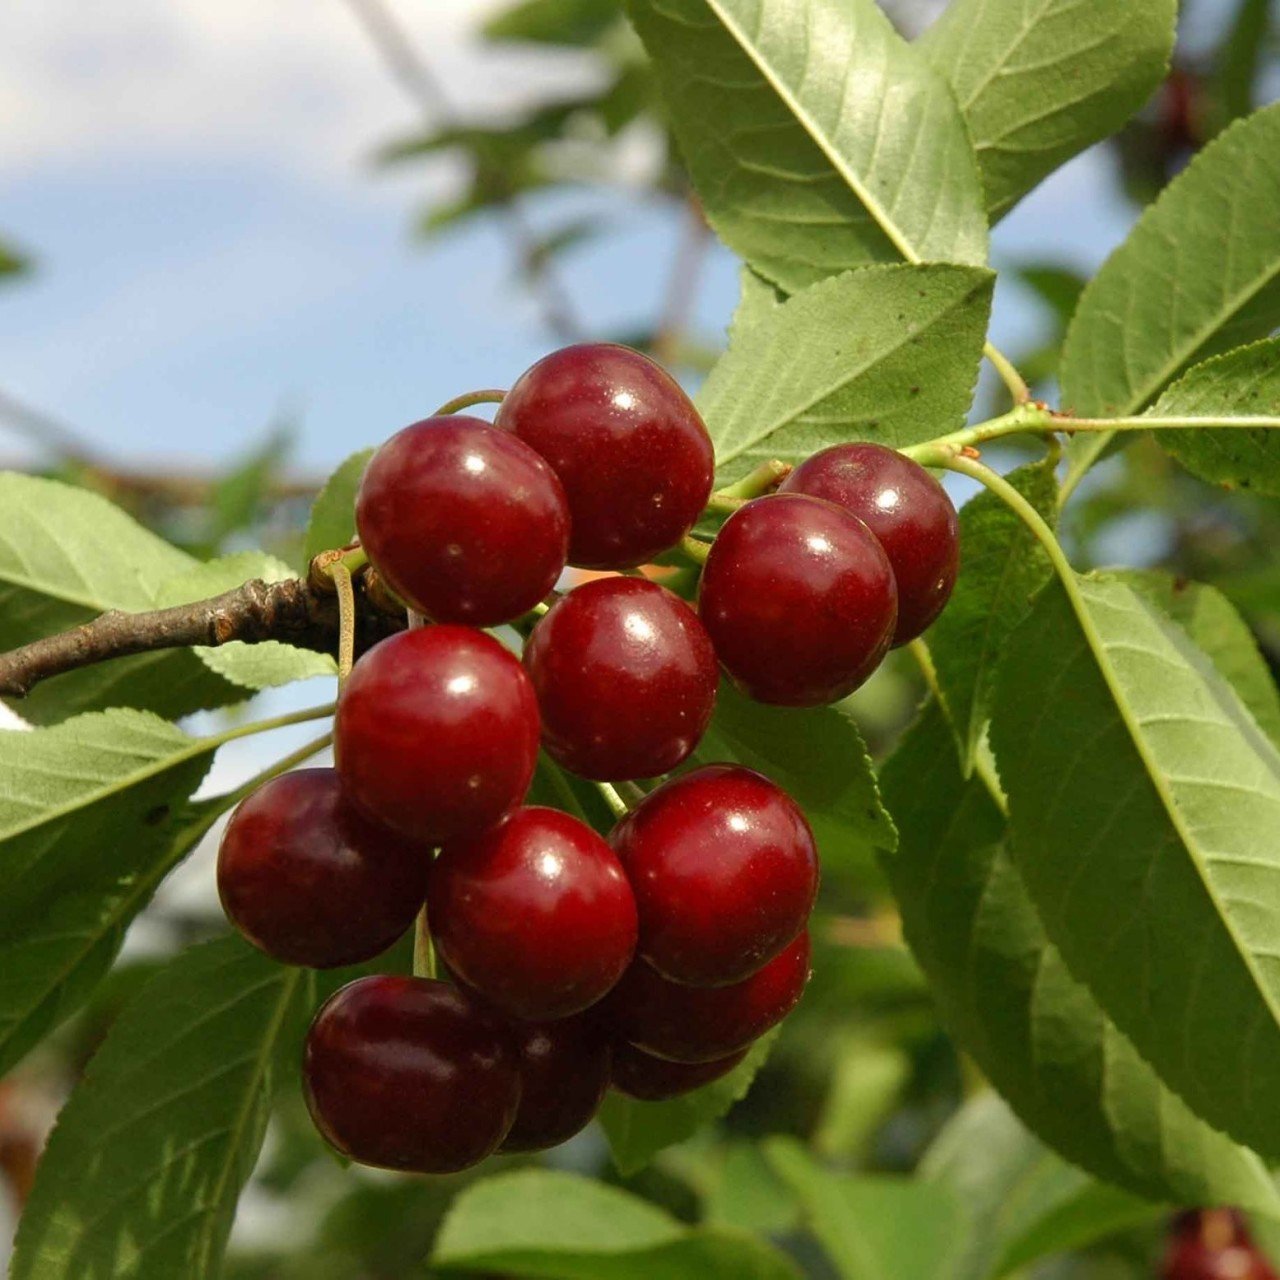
(310, 880)
(629, 447)
(410, 1074)
(535, 914)
(799, 600)
(436, 732)
(626, 679)
(464, 522)
(909, 512)
(725, 872)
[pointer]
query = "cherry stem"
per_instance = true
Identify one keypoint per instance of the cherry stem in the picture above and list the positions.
(1009, 375)
(283, 765)
(768, 475)
(611, 797)
(490, 396)
(346, 619)
(695, 548)
(424, 951)
(632, 792)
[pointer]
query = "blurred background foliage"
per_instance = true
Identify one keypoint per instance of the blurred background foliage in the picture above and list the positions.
(864, 1075)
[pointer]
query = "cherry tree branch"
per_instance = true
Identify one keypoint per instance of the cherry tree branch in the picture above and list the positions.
(294, 611)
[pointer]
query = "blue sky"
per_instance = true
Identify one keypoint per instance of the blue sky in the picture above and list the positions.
(215, 246)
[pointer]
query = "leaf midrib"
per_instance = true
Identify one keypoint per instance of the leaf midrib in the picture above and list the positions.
(258, 1075)
(816, 134)
(1163, 792)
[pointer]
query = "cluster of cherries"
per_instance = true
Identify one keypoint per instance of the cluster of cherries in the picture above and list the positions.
(649, 961)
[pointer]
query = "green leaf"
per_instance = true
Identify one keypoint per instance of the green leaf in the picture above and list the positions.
(1002, 566)
(12, 263)
(868, 1076)
(1145, 803)
(91, 819)
(333, 518)
(565, 22)
(779, 107)
(1004, 991)
(248, 666)
(1242, 383)
(757, 300)
(1039, 82)
(885, 353)
(819, 758)
(67, 555)
(565, 1227)
(557, 788)
(1198, 275)
(747, 1193)
(637, 1131)
(1026, 1203)
(142, 1173)
(874, 1228)
(1240, 58)
(1220, 633)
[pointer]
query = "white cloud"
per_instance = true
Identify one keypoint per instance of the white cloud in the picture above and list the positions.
(294, 80)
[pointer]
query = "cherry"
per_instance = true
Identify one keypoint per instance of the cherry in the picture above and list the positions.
(436, 732)
(641, 1075)
(626, 679)
(703, 1024)
(464, 522)
(409, 1073)
(564, 1072)
(310, 880)
(1213, 1244)
(907, 510)
(535, 914)
(724, 870)
(799, 600)
(629, 447)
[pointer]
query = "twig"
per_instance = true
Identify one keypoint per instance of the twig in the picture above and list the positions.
(293, 611)
(419, 81)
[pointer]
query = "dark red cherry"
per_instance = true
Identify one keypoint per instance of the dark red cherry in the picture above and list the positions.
(408, 1073)
(310, 880)
(464, 522)
(626, 679)
(437, 732)
(564, 1072)
(629, 447)
(724, 870)
(535, 914)
(702, 1024)
(907, 510)
(1213, 1244)
(641, 1075)
(799, 600)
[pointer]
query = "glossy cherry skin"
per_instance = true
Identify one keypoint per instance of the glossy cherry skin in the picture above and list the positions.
(642, 1076)
(703, 1024)
(907, 510)
(629, 447)
(412, 1074)
(535, 914)
(626, 679)
(799, 600)
(436, 733)
(725, 872)
(1213, 1244)
(464, 522)
(564, 1073)
(308, 879)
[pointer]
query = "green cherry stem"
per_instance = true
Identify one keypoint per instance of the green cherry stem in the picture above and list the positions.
(1009, 375)
(695, 548)
(611, 797)
(768, 475)
(458, 403)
